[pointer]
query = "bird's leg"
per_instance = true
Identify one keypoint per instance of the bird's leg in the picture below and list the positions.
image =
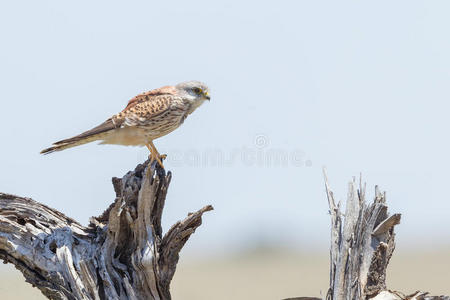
(158, 156)
(151, 156)
(154, 154)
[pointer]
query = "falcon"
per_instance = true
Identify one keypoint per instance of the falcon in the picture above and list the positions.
(147, 117)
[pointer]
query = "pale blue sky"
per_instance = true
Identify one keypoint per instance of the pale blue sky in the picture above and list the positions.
(356, 86)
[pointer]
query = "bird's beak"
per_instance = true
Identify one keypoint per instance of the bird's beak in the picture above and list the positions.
(207, 96)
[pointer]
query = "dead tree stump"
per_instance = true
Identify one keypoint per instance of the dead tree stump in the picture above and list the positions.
(121, 254)
(362, 243)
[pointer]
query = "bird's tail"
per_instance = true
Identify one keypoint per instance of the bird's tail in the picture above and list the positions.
(95, 134)
(72, 142)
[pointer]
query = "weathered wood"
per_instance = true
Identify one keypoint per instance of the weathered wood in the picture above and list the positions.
(392, 295)
(362, 243)
(121, 254)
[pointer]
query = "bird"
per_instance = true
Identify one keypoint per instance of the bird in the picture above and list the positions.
(146, 117)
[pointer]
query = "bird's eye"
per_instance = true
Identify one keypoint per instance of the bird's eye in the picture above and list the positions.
(197, 90)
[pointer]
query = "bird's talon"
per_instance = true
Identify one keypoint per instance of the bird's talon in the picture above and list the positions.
(158, 160)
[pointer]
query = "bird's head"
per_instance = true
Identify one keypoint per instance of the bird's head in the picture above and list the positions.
(195, 91)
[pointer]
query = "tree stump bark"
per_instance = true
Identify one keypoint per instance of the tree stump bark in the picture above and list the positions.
(362, 243)
(121, 254)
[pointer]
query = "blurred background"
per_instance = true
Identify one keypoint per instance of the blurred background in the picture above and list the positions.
(358, 87)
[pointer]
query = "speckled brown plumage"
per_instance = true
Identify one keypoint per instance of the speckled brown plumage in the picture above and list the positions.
(146, 117)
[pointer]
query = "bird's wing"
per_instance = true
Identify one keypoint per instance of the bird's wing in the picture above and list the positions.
(144, 109)
(165, 90)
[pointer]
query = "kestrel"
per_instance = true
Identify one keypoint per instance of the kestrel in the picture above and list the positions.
(147, 117)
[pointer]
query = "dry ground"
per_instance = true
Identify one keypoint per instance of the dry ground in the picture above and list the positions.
(271, 275)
